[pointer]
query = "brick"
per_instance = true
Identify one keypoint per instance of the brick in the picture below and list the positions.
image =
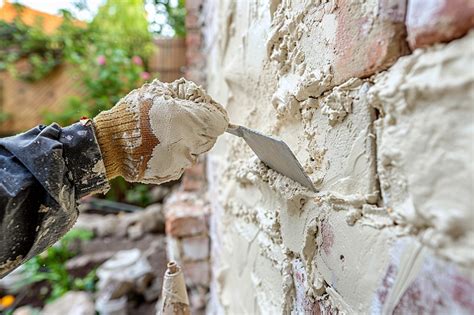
(194, 178)
(195, 60)
(185, 218)
(438, 287)
(356, 38)
(193, 39)
(185, 225)
(197, 170)
(303, 304)
(430, 22)
(195, 248)
(368, 42)
(193, 5)
(197, 273)
(192, 21)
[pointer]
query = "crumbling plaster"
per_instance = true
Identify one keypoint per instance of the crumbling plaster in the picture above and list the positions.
(390, 153)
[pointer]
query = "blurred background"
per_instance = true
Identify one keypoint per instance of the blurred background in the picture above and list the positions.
(63, 60)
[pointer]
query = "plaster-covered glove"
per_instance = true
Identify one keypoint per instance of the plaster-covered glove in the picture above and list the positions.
(155, 132)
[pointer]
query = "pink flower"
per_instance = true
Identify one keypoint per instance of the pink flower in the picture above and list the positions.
(145, 75)
(101, 60)
(137, 60)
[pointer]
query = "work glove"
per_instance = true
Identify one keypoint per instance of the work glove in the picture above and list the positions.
(155, 132)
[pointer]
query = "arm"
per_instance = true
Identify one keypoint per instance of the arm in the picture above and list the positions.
(42, 174)
(150, 136)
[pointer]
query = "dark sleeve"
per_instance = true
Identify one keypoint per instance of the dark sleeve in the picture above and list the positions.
(43, 172)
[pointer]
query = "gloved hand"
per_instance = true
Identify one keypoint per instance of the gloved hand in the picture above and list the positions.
(155, 132)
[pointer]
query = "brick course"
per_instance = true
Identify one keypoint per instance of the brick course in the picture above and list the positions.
(430, 22)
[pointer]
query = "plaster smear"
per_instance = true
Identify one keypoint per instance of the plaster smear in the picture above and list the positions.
(366, 172)
(425, 145)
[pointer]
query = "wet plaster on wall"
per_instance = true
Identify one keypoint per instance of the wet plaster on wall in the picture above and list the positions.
(344, 236)
(425, 146)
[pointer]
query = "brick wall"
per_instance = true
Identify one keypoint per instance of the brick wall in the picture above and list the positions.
(195, 58)
(187, 216)
(374, 98)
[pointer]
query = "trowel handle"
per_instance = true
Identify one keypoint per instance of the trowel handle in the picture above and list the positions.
(234, 129)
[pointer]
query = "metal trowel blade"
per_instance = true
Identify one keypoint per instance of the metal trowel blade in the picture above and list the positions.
(274, 153)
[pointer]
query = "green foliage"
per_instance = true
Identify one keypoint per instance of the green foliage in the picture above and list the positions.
(109, 56)
(106, 77)
(139, 194)
(27, 52)
(174, 16)
(50, 266)
(122, 24)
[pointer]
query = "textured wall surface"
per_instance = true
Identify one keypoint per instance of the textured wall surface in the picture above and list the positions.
(385, 134)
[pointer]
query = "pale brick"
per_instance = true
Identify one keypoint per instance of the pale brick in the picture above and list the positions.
(194, 57)
(195, 248)
(197, 273)
(193, 39)
(194, 178)
(185, 218)
(193, 5)
(192, 21)
(430, 22)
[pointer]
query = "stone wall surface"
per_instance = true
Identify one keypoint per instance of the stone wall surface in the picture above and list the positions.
(385, 134)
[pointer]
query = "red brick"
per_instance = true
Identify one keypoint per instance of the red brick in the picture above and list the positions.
(185, 218)
(197, 273)
(197, 171)
(195, 248)
(368, 44)
(357, 38)
(430, 22)
(194, 178)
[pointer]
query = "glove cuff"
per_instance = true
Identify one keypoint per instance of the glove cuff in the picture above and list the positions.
(116, 131)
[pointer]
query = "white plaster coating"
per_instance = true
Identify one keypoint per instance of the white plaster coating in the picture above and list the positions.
(343, 235)
(426, 145)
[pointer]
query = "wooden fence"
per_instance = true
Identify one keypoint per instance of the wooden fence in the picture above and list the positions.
(169, 59)
(25, 102)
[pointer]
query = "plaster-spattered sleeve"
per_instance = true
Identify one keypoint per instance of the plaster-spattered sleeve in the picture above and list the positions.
(42, 174)
(83, 158)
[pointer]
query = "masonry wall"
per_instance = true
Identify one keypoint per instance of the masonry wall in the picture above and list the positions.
(376, 100)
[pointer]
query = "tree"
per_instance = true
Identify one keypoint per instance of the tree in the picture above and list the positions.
(123, 24)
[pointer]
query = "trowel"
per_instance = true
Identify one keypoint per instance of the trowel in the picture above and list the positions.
(274, 153)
